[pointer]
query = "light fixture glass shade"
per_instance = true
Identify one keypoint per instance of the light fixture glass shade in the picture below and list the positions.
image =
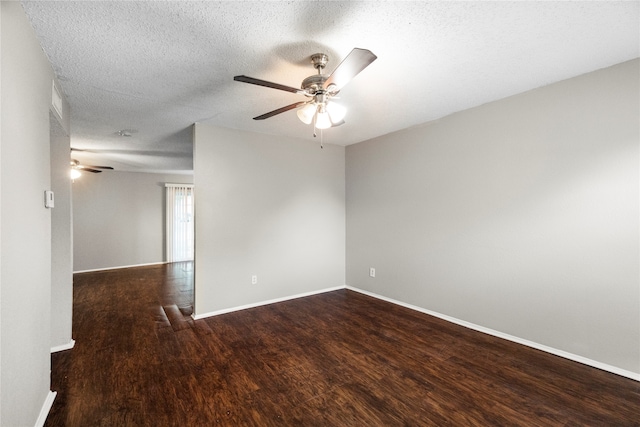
(336, 112)
(75, 174)
(305, 114)
(322, 120)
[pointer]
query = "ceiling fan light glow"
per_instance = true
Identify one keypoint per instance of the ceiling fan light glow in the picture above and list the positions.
(305, 114)
(75, 173)
(336, 112)
(322, 120)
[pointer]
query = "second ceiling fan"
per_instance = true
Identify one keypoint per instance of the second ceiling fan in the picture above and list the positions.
(78, 167)
(87, 168)
(320, 88)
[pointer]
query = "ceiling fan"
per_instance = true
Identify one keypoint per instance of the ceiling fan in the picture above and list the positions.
(320, 88)
(76, 166)
(86, 168)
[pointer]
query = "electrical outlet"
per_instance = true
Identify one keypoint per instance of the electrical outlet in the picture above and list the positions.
(254, 280)
(372, 272)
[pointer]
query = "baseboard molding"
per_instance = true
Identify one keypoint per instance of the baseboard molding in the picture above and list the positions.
(261, 303)
(63, 347)
(46, 407)
(120, 267)
(574, 357)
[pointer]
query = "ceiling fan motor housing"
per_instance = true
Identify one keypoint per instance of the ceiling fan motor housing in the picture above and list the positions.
(313, 84)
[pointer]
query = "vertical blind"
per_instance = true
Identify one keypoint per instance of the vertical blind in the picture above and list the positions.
(179, 214)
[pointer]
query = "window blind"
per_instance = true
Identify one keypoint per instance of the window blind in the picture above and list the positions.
(179, 222)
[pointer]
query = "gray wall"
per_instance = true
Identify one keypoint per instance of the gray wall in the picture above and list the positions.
(266, 206)
(118, 219)
(25, 224)
(520, 216)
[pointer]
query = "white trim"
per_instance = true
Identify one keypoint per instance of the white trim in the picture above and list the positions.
(63, 347)
(574, 357)
(261, 303)
(168, 184)
(118, 268)
(56, 100)
(46, 407)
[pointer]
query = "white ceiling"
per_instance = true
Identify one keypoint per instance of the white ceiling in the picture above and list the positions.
(156, 67)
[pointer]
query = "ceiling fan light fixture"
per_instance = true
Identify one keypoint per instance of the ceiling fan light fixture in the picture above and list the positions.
(336, 112)
(75, 173)
(322, 120)
(305, 114)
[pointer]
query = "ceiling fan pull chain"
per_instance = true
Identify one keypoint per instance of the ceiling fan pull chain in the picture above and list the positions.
(314, 126)
(315, 135)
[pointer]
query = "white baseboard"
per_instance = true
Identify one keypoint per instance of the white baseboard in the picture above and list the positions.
(46, 407)
(63, 347)
(574, 357)
(261, 303)
(570, 356)
(120, 267)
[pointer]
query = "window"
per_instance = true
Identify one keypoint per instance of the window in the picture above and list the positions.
(179, 218)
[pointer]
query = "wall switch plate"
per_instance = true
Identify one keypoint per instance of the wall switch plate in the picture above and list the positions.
(254, 280)
(372, 272)
(48, 199)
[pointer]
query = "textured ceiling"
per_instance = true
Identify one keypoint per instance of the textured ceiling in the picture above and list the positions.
(156, 67)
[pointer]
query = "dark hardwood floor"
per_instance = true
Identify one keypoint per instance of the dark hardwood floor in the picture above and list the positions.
(336, 359)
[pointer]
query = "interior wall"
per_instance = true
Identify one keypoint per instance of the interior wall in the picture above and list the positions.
(25, 266)
(118, 219)
(1, 144)
(266, 206)
(520, 216)
(61, 235)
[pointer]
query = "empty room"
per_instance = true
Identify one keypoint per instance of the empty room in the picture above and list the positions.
(319, 213)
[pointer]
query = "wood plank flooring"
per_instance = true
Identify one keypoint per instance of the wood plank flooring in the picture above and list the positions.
(336, 359)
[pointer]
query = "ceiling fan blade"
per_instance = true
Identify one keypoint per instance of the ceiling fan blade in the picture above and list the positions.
(280, 110)
(246, 79)
(97, 167)
(351, 66)
(334, 125)
(86, 169)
